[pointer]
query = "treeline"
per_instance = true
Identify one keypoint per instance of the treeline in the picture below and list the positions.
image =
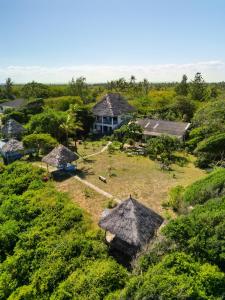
(48, 249)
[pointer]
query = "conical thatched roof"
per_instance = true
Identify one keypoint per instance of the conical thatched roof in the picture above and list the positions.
(12, 129)
(112, 105)
(59, 157)
(132, 222)
(13, 146)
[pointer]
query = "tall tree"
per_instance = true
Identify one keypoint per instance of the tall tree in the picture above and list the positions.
(198, 88)
(78, 87)
(182, 88)
(8, 88)
(72, 125)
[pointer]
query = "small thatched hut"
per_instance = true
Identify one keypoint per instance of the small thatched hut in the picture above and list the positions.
(12, 150)
(12, 129)
(130, 225)
(60, 157)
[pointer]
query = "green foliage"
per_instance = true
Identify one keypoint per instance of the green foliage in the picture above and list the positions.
(78, 87)
(47, 250)
(42, 143)
(115, 146)
(8, 89)
(198, 88)
(19, 116)
(176, 197)
(93, 282)
(162, 148)
(35, 90)
(49, 121)
(62, 103)
(214, 145)
(211, 115)
(128, 131)
(177, 276)
(204, 189)
(182, 88)
(201, 233)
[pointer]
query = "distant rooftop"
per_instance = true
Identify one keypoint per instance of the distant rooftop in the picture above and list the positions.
(14, 103)
(112, 105)
(159, 127)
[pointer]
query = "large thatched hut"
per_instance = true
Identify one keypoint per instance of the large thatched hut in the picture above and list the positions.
(130, 226)
(60, 157)
(12, 129)
(11, 150)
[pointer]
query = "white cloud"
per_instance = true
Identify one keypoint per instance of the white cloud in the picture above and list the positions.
(211, 70)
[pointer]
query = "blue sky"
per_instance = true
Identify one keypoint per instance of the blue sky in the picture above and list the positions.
(53, 40)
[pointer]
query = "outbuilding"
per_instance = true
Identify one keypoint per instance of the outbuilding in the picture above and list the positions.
(130, 226)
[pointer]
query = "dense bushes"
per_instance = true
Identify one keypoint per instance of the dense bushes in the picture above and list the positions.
(204, 189)
(47, 248)
(202, 232)
(177, 276)
(40, 142)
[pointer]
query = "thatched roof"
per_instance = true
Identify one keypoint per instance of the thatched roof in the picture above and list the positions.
(12, 129)
(132, 222)
(12, 146)
(112, 105)
(59, 157)
(159, 127)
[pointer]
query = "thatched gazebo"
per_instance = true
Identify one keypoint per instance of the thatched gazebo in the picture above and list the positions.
(12, 150)
(130, 226)
(60, 157)
(12, 129)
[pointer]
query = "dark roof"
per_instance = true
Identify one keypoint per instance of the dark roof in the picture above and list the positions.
(12, 129)
(158, 127)
(59, 157)
(112, 105)
(12, 146)
(132, 222)
(14, 103)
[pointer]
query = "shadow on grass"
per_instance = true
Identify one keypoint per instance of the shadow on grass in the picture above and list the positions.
(60, 175)
(84, 172)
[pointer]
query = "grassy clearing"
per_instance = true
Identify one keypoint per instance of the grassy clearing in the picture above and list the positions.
(138, 176)
(87, 148)
(89, 200)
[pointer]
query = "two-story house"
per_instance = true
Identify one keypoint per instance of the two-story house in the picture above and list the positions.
(110, 113)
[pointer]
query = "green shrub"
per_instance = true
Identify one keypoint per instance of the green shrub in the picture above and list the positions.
(204, 189)
(176, 197)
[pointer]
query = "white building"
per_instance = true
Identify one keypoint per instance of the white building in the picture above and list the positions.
(110, 112)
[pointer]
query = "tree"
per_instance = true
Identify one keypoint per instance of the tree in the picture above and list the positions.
(35, 90)
(162, 148)
(182, 88)
(41, 142)
(72, 125)
(8, 88)
(78, 88)
(129, 131)
(198, 88)
(184, 107)
(48, 121)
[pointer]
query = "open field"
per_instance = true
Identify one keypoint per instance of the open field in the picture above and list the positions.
(137, 175)
(89, 200)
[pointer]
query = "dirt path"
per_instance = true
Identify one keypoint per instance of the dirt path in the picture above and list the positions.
(97, 189)
(99, 152)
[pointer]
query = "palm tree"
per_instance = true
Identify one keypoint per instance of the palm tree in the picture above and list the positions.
(72, 124)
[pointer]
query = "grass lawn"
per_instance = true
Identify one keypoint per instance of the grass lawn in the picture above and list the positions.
(87, 148)
(92, 202)
(138, 176)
